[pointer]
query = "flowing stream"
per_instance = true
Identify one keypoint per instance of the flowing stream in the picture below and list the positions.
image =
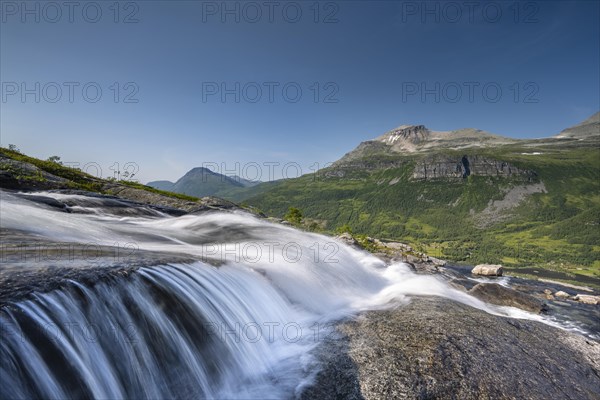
(241, 321)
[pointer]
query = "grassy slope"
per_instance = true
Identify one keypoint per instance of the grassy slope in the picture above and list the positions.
(558, 230)
(78, 179)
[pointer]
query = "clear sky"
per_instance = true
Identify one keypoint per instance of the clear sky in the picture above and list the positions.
(185, 83)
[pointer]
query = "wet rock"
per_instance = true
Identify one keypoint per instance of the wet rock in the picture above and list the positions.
(426, 267)
(45, 200)
(460, 284)
(436, 261)
(504, 296)
(8, 181)
(587, 299)
(437, 348)
(487, 270)
(562, 295)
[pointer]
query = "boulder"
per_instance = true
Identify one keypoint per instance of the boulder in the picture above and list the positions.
(587, 299)
(436, 261)
(504, 296)
(435, 348)
(348, 239)
(562, 295)
(487, 270)
(409, 258)
(548, 294)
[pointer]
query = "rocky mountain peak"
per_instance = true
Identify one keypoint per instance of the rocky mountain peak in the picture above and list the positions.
(587, 128)
(414, 134)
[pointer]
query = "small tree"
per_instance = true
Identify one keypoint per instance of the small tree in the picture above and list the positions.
(294, 216)
(55, 159)
(13, 147)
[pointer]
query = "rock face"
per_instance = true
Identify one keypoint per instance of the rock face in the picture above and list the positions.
(25, 176)
(487, 270)
(504, 296)
(404, 134)
(435, 348)
(437, 166)
(500, 210)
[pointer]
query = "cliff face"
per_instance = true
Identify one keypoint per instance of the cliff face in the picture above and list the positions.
(439, 167)
(414, 134)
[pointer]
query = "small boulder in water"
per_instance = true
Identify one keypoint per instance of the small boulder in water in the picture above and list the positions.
(587, 299)
(548, 294)
(487, 270)
(562, 295)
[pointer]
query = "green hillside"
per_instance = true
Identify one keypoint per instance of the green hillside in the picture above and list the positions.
(553, 222)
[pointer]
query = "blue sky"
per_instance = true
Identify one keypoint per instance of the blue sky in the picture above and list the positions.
(363, 67)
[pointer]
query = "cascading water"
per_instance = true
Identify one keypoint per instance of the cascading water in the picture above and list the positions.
(239, 322)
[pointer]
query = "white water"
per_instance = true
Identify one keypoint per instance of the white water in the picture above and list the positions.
(242, 329)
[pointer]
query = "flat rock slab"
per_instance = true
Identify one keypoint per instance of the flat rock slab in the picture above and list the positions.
(438, 348)
(504, 296)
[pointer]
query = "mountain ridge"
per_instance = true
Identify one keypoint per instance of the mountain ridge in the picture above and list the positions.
(588, 127)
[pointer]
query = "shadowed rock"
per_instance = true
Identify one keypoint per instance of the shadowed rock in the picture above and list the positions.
(504, 296)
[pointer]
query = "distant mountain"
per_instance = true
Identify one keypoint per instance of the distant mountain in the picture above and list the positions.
(245, 182)
(162, 185)
(200, 182)
(589, 127)
(408, 139)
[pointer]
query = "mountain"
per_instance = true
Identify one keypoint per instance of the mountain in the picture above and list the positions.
(245, 182)
(201, 182)
(162, 185)
(418, 141)
(464, 195)
(589, 127)
(408, 139)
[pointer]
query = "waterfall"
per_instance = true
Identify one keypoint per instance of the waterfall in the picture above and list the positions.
(241, 321)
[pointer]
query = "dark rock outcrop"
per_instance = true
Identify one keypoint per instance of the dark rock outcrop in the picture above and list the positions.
(505, 296)
(19, 175)
(8, 181)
